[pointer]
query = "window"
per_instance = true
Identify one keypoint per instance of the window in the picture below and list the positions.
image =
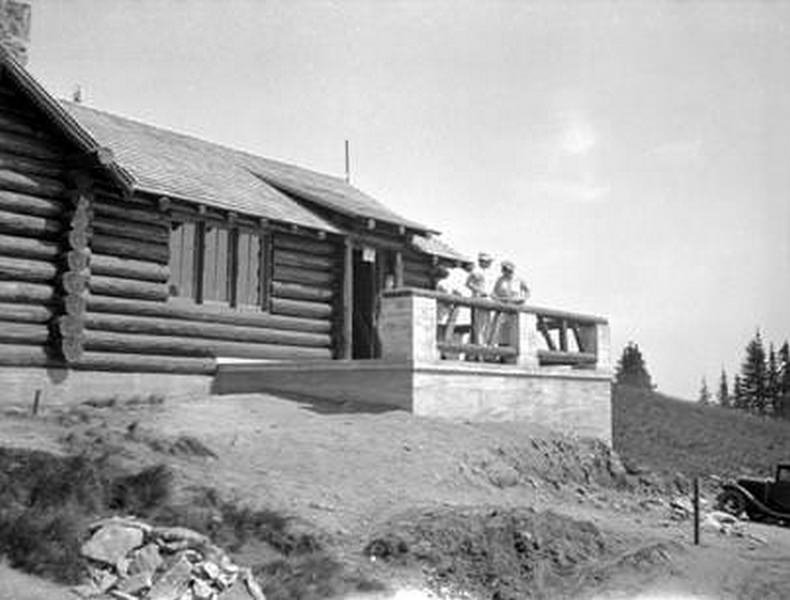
(216, 272)
(182, 260)
(215, 263)
(248, 270)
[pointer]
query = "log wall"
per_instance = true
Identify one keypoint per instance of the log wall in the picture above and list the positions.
(129, 314)
(34, 210)
(417, 271)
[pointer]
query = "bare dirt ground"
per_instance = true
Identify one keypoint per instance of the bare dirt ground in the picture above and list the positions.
(357, 477)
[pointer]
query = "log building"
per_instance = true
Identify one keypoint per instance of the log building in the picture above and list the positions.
(126, 248)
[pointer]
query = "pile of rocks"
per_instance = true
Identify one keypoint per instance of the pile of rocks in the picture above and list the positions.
(132, 560)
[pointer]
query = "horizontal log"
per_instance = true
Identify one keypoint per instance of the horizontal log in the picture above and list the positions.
(31, 166)
(30, 205)
(107, 341)
(204, 314)
(477, 350)
(15, 355)
(128, 288)
(24, 313)
(13, 105)
(135, 231)
(129, 213)
(304, 245)
(29, 146)
(34, 293)
(104, 244)
(417, 282)
(13, 124)
(304, 261)
(29, 225)
(23, 269)
(301, 308)
(304, 276)
(129, 268)
(26, 247)
(218, 331)
(24, 333)
(554, 357)
(110, 361)
(296, 291)
(418, 270)
(35, 185)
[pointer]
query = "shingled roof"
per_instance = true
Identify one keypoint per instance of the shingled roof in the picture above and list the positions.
(435, 247)
(169, 163)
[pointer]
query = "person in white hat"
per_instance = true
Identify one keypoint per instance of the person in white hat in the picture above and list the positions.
(510, 289)
(479, 283)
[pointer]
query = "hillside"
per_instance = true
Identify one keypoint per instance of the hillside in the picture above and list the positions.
(670, 435)
(329, 500)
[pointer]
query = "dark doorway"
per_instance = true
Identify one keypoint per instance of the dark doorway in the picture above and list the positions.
(365, 340)
(374, 270)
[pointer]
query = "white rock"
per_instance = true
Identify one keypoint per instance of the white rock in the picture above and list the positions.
(112, 543)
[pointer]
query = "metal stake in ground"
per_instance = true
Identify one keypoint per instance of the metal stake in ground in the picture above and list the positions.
(36, 400)
(696, 511)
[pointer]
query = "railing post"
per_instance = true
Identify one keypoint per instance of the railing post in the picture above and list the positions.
(407, 327)
(527, 340)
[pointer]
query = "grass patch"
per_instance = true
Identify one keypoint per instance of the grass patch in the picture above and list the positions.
(47, 501)
(671, 435)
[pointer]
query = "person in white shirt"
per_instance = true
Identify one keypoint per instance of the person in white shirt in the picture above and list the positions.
(479, 284)
(511, 289)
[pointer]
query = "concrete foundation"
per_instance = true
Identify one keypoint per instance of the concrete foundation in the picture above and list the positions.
(61, 387)
(568, 400)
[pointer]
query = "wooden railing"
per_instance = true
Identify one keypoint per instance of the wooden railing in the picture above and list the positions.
(478, 329)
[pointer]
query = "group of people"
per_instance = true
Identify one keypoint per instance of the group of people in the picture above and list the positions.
(477, 281)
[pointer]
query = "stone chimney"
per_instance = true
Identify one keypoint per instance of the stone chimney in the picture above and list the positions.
(15, 28)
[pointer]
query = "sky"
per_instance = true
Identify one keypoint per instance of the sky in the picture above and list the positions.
(632, 158)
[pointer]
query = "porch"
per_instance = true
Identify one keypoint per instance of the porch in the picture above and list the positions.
(444, 355)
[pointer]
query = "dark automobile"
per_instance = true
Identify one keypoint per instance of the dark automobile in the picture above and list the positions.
(758, 498)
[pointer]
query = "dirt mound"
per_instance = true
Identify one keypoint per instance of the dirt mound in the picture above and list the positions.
(555, 460)
(493, 553)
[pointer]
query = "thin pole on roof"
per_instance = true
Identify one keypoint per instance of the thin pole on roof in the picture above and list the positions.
(348, 164)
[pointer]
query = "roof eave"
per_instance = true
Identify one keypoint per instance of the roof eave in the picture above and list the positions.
(65, 122)
(158, 192)
(300, 194)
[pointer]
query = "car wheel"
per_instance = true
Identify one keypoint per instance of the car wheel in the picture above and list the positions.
(731, 502)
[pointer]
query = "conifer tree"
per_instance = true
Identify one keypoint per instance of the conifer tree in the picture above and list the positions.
(753, 376)
(704, 393)
(723, 393)
(738, 398)
(631, 369)
(772, 382)
(784, 381)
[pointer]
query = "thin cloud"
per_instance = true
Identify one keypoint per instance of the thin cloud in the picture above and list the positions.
(680, 151)
(565, 190)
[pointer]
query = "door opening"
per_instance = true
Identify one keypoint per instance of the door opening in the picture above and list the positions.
(372, 270)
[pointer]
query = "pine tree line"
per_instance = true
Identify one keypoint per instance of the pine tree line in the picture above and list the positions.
(763, 385)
